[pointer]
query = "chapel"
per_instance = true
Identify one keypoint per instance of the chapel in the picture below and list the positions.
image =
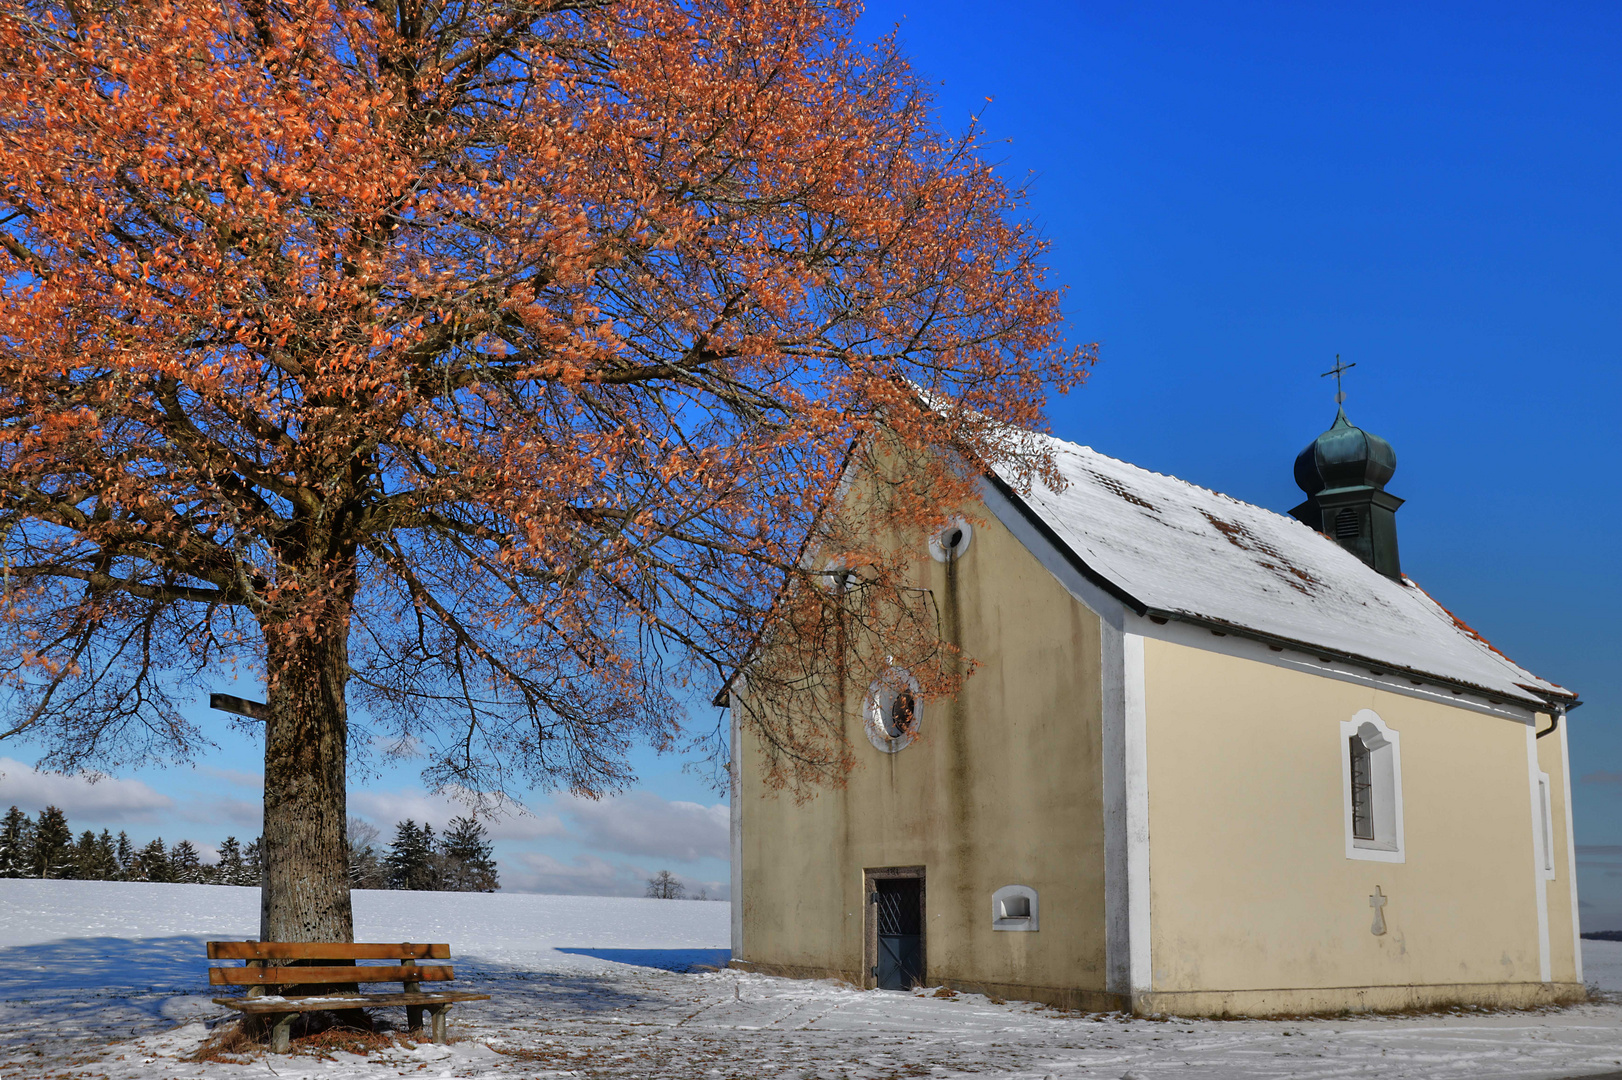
(1216, 760)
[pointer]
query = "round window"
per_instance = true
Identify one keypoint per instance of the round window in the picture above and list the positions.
(951, 542)
(892, 710)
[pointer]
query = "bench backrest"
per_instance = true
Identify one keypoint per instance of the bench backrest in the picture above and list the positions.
(261, 955)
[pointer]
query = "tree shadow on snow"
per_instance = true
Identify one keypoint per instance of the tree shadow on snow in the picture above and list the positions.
(678, 960)
(85, 987)
(98, 986)
(175, 965)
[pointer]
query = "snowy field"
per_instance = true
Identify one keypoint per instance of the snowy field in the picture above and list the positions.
(103, 979)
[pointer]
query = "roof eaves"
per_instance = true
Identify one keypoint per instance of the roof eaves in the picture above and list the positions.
(1534, 696)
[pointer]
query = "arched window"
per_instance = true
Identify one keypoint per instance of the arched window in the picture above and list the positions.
(1371, 771)
(1015, 907)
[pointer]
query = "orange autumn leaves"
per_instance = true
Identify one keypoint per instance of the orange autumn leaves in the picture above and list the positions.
(522, 343)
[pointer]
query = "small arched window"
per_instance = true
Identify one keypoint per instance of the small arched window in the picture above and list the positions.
(1371, 771)
(1015, 907)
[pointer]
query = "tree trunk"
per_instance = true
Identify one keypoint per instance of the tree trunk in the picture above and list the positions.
(305, 887)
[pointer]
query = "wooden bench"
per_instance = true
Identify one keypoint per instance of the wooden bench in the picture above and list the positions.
(259, 973)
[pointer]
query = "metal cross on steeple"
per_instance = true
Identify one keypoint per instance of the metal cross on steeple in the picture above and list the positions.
(1337, 371)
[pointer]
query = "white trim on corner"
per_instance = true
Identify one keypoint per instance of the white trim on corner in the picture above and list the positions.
(1136, 747)
(1571, 857)
(1540, 882)
(1389, 847)
(735, 840)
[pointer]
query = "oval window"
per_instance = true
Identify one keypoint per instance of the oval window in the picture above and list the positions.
(892, 710)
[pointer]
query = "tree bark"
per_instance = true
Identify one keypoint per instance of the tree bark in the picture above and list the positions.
(305, 887)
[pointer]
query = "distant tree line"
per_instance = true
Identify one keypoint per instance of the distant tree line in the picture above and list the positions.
(459, 861)
(667, 886)
(45, 848)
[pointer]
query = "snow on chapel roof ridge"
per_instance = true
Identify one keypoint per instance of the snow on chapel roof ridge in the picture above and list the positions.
(1188, 551)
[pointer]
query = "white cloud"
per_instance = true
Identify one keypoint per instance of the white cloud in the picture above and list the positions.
(642, 823)
(503, 818)
(584, 875)
(237, 777)
(248, 813)
(102, 800)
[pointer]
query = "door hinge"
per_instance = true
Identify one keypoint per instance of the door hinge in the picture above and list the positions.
(873, 897)
(874, 971)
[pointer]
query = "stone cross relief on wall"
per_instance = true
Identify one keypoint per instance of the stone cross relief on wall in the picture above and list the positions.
(1377, 902)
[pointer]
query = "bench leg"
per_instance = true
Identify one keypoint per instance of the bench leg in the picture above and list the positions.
(414, 1020)
(438, 1012)
(281, 1032)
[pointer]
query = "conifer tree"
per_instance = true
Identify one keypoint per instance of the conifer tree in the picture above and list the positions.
(52, 853)
(90, 863)
(410, 861)
(106, 856)
(467, 865)
(185, 865)
(152, 863)
(16, 843)
(432, 864)
(124, 855)
(229, 870)
(84, 856)
(253, 866)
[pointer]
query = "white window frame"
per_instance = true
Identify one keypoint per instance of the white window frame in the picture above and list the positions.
(1545, 836)
(1007, 892)
(1385, 769)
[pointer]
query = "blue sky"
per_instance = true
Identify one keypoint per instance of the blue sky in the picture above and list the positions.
(1234, 194)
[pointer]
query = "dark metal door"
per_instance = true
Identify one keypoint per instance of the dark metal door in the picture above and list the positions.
(901, 932)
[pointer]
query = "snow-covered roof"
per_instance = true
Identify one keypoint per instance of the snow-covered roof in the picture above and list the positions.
(1182, 551)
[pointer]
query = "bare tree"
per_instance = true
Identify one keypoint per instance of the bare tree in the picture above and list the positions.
(665, 886)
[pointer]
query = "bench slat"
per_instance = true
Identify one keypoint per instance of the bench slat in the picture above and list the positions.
(344, 1001)
(326, 950)
(260, 976)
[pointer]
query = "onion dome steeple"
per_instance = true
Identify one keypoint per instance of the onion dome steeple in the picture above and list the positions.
(1344, 473)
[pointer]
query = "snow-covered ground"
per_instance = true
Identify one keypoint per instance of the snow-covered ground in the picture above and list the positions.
(101, 979)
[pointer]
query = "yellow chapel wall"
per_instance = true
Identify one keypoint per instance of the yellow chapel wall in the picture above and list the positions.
(1255, 906)
(1001, 788)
